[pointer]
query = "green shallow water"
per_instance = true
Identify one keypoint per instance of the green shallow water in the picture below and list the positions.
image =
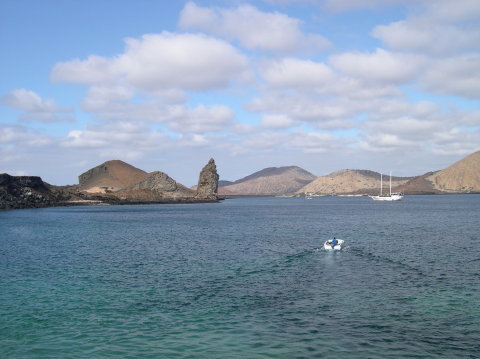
(244, 278)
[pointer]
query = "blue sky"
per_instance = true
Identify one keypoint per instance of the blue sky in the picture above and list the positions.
(390, 85)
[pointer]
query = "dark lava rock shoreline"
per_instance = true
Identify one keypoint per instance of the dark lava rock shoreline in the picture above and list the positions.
(19, 192)
(28, 192)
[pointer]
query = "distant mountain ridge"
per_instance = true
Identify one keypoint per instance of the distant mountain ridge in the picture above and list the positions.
(117, 182)
(351, 182)
(270, 181)
(461, 177)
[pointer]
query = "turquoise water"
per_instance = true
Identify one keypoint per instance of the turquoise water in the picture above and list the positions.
(244, 278)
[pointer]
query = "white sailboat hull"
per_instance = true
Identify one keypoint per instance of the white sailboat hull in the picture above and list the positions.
(392, 197)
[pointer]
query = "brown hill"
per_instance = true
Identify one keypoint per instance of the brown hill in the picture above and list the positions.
(114, 174)
(270, 181)
(418, 185)
(351, 182)
(461, 177)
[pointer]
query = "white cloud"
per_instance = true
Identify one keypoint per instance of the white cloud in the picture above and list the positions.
(253, 28)
(382, 66)
(397, 108)
(193, 140)
(295, 73)
(121, 103)
(424, 36)
(452, 11)
(160, 62)
(408, 127)
(309, 77)
(20, 136)
(346, 5)
(468, 118)
(35, 108)
(93, 70)
(456, 142)
(199, 119)
(100, 97)
(305, 142)
(314, 142)
(122, 136)
(459, 75)
(311, 92)
(419, 127)
(321, 113)
(115, 103)
(441, 27)
(386, 142)
(276, 121)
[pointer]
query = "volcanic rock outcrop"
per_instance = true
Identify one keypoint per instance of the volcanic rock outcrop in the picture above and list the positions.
(157, 181)
(28, 192)
(157, 186)
(208, 181)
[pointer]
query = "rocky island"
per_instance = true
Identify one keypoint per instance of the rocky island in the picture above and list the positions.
(112, 182)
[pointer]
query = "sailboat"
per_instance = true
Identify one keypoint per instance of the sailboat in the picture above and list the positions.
(387, 197)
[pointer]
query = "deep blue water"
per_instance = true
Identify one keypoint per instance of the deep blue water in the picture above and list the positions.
(244, 278)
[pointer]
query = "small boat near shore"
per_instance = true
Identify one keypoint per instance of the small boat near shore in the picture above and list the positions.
(331, 245)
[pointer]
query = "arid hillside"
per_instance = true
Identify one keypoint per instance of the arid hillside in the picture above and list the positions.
(351, 182)
(270, 181)
(463, 176)
(113, 175)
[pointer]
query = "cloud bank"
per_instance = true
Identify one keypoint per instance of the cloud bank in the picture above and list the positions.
(249, 84)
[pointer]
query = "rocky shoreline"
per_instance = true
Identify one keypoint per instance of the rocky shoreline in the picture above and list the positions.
(21, 192)
(18, 192)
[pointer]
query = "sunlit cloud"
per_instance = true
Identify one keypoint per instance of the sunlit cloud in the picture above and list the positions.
(252, 28)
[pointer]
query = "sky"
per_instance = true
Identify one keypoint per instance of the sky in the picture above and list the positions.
(384, 85)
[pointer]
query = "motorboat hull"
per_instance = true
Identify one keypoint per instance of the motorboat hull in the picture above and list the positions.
(328, 246)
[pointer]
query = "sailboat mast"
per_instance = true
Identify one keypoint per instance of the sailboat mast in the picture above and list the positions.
(390, 183)
(381, 184)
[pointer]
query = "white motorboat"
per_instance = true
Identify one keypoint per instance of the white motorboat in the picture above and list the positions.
(387, 197)
(329, 246)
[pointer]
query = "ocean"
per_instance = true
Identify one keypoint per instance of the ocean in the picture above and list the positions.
(244, 278)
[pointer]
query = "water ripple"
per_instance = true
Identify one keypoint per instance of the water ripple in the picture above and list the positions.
(246, 278)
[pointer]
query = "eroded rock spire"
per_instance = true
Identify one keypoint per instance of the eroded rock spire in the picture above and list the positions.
(208, 181)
